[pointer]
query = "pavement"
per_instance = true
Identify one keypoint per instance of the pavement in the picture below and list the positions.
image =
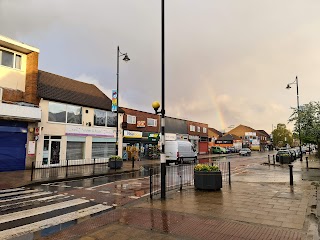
(259, 204)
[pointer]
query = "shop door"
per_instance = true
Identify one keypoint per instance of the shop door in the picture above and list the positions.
(203, 147)
(51, 152)
(13, 140)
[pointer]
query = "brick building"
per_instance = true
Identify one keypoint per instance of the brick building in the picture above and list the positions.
(198, 136)
(19, 111)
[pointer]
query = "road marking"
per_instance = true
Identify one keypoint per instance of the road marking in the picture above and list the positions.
(133, 197)
(18, 193)
(104, 191)
(40, 210)
(27, 196)
(11, 190)
(37, 226)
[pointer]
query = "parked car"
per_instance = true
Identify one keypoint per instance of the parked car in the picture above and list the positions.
(180, 151)
(217, 149)
(283, 152)
(233, 149)
(245, 152)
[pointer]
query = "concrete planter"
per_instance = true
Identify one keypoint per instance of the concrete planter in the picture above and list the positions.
(208, 180)
(115, 164)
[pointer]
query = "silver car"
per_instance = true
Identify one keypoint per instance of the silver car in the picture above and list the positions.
(245, 152)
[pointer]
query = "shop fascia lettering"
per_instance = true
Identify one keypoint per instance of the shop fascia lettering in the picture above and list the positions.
(89, 131)
(132, 134)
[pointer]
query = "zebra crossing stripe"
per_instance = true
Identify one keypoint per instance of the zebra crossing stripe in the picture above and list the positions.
(40, 210)
(37, 226)
(11, 190)
(18, 193)
(33, 200)
(38, 194)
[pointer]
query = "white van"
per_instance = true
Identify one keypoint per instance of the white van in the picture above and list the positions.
(180, 151)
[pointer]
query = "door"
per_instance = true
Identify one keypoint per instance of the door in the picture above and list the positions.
(51, 151)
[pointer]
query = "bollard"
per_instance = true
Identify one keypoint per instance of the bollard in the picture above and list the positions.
(274, 160)
(67, 168)
(307, 163)
(180, 173)
(291, 175)
(32, 168)
(94, 165)
(151, 176)
(132, 162)
(229, 168)
(269, 159)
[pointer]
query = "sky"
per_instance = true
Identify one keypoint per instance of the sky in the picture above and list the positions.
(226, 62)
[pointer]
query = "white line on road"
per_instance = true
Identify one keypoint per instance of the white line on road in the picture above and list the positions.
(11, 190)
(26, 196)
(18, 193)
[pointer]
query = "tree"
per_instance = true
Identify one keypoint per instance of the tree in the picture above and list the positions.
(309, 119)
(282, 136)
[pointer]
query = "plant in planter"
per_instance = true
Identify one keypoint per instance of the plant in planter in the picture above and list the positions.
(115, 162)
(207, 177)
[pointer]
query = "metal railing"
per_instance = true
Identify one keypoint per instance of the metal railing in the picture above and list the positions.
(179, 176)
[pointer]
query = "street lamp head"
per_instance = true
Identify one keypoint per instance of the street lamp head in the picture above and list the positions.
(126, 58)
(156, 106)
(288, 86)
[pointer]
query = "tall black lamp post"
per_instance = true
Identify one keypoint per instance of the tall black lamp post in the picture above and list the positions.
(298, 112)
(156, 106)
(126, 59)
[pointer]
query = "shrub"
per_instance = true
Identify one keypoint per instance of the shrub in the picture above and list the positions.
(206, 168)
(115, 158)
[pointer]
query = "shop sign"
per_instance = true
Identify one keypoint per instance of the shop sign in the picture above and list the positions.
(90, 131)
(193, 137)
(141, 123)
(170, 136)
(153, 137)
(132, 134)
(224, 141)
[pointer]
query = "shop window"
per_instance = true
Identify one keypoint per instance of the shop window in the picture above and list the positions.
(151, 122)
(75, 150)
(103, 150)
(131, 119)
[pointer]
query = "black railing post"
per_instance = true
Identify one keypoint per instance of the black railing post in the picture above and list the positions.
(32, 169)
(274, 160)
(180, 166)
(307, 163)
(291, 175)
(94, 165)
(151, 176)
(67, 168)
(229, 169)
(132, 162)
(268, 159)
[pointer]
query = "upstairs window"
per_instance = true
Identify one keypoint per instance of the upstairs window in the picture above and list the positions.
(192, 128)
(204, 130)
(105, 118)
(151, 122)
(199, 129)
(10, 59)
(64, 113)
(131, 119)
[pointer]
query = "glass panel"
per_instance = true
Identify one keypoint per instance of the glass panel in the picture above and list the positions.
(18, 61)
(45, 152)
(7, 59)
(103, 150)
(74, 114)
(75, 150)
(55, 152)
(111, 119)
(57, 112)
(99, 117)
(55, 137)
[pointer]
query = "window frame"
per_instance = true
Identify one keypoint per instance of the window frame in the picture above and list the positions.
(66, 113)
(155, 122)
(198, 129)
(204, 129)
(14, 60)
(132, 118)
(192, 128)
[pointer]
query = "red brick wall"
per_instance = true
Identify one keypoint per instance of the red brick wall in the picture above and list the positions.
(196, 133)
(11, 95)
(32, 79)
(141, 116)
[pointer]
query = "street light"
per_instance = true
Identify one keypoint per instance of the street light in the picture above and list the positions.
(298, 111)
(156, 106)
(126, 59)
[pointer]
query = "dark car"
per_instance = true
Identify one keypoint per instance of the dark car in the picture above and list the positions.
(284, 152)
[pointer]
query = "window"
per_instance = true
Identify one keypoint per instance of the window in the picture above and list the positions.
(131, 119)
(151, 122)
(64, 113)
(10, 59)
(205, 130)
(75, 150)
(192, 128)
(198, 128)
(105, 118)
(103, 150)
